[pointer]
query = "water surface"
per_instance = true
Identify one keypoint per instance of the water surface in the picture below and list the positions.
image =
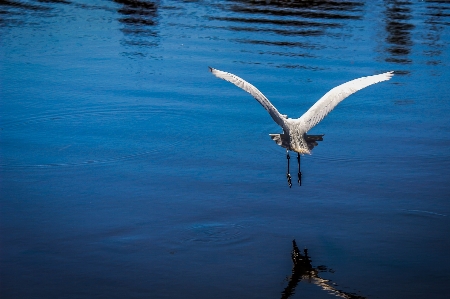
(129, 171)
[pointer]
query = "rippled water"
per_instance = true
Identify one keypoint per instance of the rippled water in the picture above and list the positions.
(129, 171)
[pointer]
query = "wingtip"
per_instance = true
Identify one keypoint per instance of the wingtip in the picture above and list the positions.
(387, 75)
(390, 74)
(210, 69)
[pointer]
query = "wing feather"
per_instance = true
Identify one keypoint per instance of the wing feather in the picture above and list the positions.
(336, 95)
(239, 82)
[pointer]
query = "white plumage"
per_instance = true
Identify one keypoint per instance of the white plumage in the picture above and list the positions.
(294, 136)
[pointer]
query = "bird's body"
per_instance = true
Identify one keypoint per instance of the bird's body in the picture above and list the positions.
(294, 136)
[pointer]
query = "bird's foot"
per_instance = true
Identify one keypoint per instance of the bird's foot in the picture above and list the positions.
(288, 176)
(299, 180)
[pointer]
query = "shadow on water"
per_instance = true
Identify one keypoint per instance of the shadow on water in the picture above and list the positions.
(139, 19)
(289, 29)
(289, 18)
(302, 270)
(398, 29)
(14, 13)
(437, 17)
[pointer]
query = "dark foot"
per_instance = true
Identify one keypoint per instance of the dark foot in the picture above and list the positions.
(288, 176)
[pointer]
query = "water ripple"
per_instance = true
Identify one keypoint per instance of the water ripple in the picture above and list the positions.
(217, 233)
(282, 22)
(93, 136)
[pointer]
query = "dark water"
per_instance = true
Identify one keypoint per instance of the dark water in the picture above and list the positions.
(129, 171)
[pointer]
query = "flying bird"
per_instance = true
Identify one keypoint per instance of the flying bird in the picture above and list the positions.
(294, 136)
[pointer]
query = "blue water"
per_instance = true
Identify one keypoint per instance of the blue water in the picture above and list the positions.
(129, 171)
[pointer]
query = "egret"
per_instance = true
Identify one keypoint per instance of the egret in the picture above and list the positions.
(294, 136)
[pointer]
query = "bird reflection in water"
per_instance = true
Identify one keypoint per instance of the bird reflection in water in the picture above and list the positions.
(303, 270)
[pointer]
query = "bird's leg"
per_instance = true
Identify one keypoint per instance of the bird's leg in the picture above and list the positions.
(288, 175)
(299, 172)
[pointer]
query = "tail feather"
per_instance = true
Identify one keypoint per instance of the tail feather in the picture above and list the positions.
(312, 140)
(280, 139)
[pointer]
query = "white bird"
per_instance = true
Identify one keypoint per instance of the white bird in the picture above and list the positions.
(294, 136)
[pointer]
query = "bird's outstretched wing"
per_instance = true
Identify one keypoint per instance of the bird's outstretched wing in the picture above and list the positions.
(239, 82)
(330, 100)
